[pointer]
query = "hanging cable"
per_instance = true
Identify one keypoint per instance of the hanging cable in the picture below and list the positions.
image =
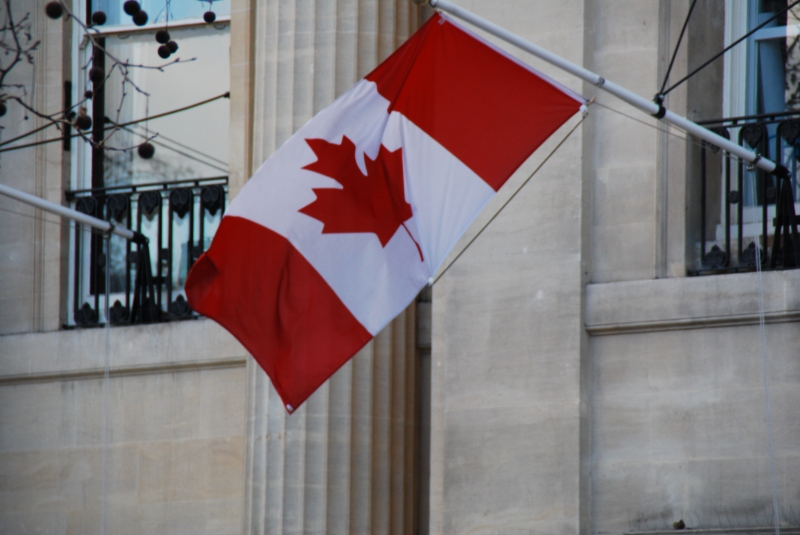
(677, 46)
(739, 40)
(189, 156)
(162, 138)
(107, 365)
(158, 116)
(475, 237)
(27, 134)
(765, 372)
(655, 126)
(686, 138)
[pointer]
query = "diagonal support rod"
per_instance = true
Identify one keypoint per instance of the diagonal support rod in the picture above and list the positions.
(144, 309)
(63, 211)
(677, 47)
(656, 110)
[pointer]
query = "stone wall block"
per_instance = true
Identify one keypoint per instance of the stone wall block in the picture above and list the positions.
(679, 423)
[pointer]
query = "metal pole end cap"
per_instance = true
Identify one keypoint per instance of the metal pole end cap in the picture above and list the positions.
(140, 238)
(781, 171)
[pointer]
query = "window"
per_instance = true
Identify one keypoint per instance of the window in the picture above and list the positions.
(744, 210)
(158, 12)
(165, 176)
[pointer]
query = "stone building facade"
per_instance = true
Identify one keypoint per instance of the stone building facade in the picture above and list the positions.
(567, 374)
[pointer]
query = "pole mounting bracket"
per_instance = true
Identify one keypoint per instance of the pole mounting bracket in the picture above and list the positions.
(662, 111)
(752, 165)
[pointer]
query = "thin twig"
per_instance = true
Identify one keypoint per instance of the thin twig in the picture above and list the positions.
(19, 51)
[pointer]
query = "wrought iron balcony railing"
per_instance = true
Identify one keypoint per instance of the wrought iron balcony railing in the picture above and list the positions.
(744, 211)
(179, 219)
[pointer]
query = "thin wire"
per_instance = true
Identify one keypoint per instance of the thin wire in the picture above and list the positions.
(191, 157)
(765, 372)
(685, 138)
(226, 94)
(739, 40)
(475, 237)
(26, 134)
(158, 116)
(105, 386)
(677, 46)
(162, 138)
(645, 123)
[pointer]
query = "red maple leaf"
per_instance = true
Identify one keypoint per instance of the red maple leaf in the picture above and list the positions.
(373, 203)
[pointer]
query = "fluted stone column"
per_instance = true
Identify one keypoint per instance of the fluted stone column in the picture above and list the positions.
(343, 462)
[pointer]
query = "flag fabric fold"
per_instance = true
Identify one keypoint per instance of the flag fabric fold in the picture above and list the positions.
(337, 232)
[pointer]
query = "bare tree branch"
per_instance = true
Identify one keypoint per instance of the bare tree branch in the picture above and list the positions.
(17, 42)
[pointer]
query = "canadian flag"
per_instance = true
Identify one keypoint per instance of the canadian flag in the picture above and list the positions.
(342, 226)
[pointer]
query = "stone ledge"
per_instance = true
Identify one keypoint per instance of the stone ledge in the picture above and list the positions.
(79, 352)
(691, 323)
(691, 303)
(123, 371)
(721, 531)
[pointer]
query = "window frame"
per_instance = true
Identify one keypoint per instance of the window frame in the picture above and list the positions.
(81, 168)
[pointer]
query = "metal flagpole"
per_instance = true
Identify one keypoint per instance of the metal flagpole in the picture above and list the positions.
(105, 226)
(655, 109)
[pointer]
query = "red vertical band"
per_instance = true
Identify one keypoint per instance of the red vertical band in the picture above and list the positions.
(253, 282)
(489, 111)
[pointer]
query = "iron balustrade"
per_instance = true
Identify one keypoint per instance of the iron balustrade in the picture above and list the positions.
(179, 219)
(745, 211)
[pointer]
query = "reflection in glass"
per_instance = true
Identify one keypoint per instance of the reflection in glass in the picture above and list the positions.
(189, 144)
(157, 10)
